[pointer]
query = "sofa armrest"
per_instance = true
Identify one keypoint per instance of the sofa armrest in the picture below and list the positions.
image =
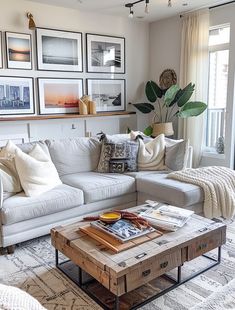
(190, 157)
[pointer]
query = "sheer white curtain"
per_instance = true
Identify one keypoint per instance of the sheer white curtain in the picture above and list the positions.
(194, 68)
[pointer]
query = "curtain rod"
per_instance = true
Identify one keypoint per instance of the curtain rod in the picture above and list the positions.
(214, 6)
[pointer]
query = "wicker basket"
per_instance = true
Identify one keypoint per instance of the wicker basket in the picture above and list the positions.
(165, 128)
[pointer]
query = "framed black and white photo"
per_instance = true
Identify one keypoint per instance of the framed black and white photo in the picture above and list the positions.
(1, 62)
(18, 51)
(59, 96)
(109, 95)
(105, 54)
(59, 50)
(16, 95)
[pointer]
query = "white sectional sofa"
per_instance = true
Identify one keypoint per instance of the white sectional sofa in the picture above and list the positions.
(84, 191)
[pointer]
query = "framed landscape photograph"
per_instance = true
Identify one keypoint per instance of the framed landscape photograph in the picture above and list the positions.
(59, 96)
(109, 95)
(18, 51)
(16, 95)
(1, 62)
(59, 50)
(105, 54)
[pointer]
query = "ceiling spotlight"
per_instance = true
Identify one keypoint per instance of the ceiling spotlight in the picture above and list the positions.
(169, 4)
(32, 25)
(146, 6)
(131, 14)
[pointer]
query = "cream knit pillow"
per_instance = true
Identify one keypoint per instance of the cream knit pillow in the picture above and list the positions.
(8, 172)
(36, 171)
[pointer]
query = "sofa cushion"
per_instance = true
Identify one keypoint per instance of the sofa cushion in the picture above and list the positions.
(176, 154)
(75, 154)
(99, 186)
(170, 191)
(18, 208)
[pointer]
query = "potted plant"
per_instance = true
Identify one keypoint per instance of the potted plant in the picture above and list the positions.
(167, 104)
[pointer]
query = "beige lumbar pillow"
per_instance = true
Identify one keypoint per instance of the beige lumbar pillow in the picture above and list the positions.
(151, 154)
(36, 171)
(8, 172)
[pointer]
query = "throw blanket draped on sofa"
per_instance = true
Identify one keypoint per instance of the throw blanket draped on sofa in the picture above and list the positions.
(218, 184)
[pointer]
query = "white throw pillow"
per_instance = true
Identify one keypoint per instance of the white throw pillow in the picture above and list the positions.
(36, 171)
(176, 155)
(8, 172)
(151, 154)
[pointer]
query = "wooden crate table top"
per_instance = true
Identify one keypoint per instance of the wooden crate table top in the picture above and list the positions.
(121, 273)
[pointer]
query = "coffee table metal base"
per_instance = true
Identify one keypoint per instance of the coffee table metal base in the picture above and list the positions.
(78, 279)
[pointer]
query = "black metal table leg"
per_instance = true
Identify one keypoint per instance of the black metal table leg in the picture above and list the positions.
(116, 302)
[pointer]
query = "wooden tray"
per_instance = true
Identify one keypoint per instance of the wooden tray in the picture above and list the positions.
(112, 243)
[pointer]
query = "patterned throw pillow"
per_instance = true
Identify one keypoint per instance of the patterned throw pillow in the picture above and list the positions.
(118, 156)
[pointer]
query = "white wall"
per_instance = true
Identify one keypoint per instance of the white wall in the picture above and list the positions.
(165, 41)
(12, 18)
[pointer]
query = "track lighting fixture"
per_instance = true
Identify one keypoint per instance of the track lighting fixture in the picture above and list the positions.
(146, 10)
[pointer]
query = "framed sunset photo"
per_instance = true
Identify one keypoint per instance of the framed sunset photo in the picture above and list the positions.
(59, 96)
(18, 51)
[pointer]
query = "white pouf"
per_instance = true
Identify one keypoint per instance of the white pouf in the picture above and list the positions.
(13, 298)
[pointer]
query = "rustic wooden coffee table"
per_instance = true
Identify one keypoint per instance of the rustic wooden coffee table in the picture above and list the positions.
(129, 279)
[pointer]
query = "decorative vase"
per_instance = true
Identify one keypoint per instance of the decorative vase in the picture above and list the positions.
(165, 128)
(220, 145)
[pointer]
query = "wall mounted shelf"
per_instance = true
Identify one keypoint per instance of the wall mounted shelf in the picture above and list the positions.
(62, 116)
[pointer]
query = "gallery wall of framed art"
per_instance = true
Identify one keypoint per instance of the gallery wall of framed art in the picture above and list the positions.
(63, 69)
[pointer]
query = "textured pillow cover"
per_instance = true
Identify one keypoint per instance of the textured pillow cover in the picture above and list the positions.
(151, 154)
(8, 172)
(118, 155)
(36, 171)
(176, 154)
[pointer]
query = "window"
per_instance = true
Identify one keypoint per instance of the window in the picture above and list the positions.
(218, 81)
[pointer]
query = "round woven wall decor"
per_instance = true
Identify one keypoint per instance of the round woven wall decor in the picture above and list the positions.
(167, 78)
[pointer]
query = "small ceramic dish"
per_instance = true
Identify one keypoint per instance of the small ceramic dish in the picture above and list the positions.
(110, 217)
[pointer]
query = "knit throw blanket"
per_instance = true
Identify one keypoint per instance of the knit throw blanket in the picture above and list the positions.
(218, 184)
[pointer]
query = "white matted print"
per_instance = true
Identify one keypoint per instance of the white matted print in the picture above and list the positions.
(109, 95)
(16, 96)
(59, 96)
(18, 51)
(59, 50)
(105, 54)
(1, 64)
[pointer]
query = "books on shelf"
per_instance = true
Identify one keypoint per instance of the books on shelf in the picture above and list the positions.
(165, 216)
(122, 230)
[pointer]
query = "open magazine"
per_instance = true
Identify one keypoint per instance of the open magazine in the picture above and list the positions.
(166, 216)
(123, 230)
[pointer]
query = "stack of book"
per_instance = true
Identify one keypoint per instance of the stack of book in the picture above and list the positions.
(166, 217)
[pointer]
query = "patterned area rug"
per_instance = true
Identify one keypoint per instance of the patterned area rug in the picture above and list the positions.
(32, 269)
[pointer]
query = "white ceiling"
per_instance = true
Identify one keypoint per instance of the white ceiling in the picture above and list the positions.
(158, 8)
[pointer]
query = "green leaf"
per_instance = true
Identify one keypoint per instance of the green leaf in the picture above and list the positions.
(192, 108)
(170, 94)
(153, 91)
(128, 130)
(148, 131)
(184, 95)
(144, 107)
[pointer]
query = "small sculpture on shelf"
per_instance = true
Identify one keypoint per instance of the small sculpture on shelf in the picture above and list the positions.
(86, 105)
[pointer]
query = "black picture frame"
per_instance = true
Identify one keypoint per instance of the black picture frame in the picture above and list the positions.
(106, 41)
(6, 96)
(106, 101)
(41, 95)
(21, 59)
(59, 59)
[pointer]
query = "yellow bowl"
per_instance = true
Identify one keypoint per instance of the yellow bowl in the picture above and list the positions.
(110, 217)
